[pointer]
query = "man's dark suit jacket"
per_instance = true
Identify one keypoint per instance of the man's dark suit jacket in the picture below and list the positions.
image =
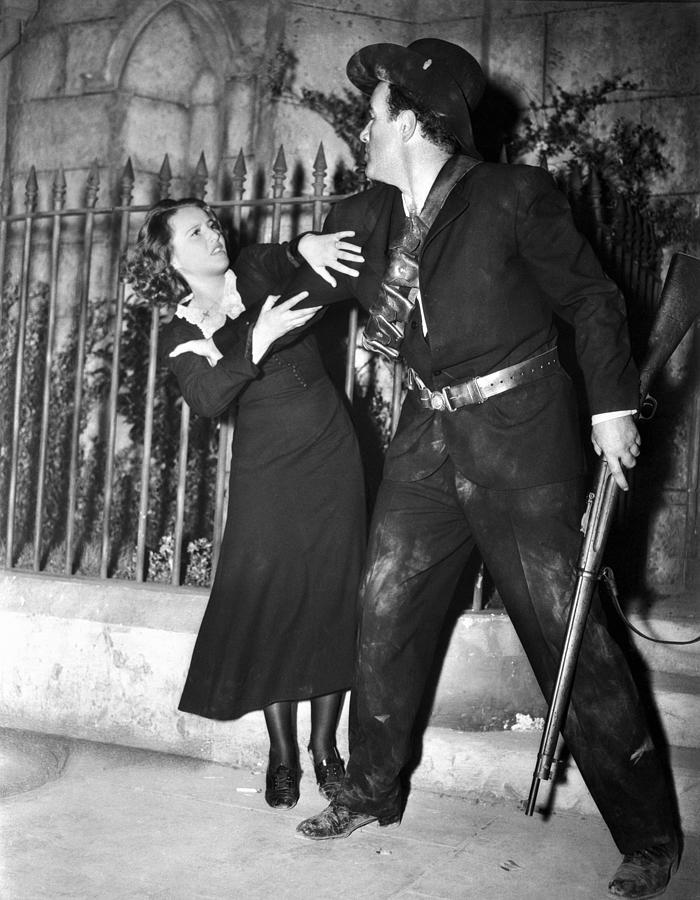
(501, 258)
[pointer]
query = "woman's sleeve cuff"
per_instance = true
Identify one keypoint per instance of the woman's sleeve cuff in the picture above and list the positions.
(291, 248)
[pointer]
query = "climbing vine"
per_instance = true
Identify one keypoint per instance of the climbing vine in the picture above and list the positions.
(571, 130)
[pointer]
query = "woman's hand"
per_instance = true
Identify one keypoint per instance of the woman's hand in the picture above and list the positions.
(275, 321)
(325, 251)
(202, 347)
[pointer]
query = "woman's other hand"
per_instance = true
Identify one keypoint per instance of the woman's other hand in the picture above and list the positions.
(275, 321)
(202, 347)
(325, 251)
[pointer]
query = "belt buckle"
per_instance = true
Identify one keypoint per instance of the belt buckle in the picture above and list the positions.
(476, 395)
(441, 400)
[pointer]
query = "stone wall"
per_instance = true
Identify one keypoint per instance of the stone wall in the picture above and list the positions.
(108, 79)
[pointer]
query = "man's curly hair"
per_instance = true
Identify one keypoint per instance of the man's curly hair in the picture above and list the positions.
(433, 127)
(148, 268)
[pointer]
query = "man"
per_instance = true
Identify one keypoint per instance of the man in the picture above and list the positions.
(466, 263)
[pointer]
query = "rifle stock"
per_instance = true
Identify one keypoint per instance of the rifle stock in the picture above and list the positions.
(679, 307)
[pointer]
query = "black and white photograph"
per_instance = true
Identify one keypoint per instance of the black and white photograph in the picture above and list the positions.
(349, 449)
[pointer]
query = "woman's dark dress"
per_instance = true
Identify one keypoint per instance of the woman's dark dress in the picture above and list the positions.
(281, 618)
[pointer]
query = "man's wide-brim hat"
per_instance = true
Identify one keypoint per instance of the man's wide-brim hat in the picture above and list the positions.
(438, 75)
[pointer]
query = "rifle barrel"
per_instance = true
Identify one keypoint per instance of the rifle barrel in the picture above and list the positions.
(600, 515)
(679, 308)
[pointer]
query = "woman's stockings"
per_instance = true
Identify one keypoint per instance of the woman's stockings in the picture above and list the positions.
(325, 712)
(281, 727)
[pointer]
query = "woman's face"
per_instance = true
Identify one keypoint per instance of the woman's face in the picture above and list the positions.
(197, 245)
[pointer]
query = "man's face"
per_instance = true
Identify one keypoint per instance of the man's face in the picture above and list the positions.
(382, 137)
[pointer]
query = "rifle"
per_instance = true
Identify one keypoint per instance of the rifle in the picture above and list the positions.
(679, 307)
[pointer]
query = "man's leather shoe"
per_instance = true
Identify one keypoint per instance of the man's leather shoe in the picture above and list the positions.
(646, 873)
(329, 774)
(337, 821)
(282, 787)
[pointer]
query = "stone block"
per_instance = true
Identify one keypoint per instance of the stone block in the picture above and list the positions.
(432, 13)
(652, 42)
(460, 29)
(248, 21)
(516, 57)
(324, 39)
(506, 9)
(62, 131)
(239, 116)
(485, 682)
(678, 119)
(39, 68)
(165, 60)
(387, 10)
(300, 131)
(665, 563)
(87, 46)
(64, 12)
(152, 128)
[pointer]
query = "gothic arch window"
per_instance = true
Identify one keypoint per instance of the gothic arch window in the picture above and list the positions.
(204, 16)
(170, 63)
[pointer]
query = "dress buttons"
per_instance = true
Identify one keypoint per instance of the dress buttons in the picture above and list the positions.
(437, 371)
(414, 324)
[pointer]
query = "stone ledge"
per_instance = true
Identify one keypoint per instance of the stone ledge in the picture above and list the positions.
(106, 661)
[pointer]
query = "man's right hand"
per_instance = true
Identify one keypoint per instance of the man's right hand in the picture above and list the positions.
(618, 440)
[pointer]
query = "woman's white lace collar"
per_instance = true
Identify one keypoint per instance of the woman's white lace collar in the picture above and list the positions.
(210, 320)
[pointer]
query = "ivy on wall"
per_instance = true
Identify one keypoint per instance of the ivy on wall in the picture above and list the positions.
(346, 112)
(568, 131)
(131, 405)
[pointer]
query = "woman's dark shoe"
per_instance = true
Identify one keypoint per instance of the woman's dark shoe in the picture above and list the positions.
(282, 787)
(329, 774)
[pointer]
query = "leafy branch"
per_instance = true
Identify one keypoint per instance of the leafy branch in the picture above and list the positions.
(346, 113)
(625, 155)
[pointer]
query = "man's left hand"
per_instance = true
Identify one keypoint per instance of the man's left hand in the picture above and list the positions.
(327, 251)
(619, 441)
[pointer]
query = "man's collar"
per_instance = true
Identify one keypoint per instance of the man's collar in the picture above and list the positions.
(453, 171)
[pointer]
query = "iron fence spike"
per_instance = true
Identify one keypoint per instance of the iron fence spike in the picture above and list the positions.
(320, 161)
(280, 164)
(239, 167)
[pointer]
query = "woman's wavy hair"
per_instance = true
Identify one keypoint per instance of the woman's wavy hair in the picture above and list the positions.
(148, 268)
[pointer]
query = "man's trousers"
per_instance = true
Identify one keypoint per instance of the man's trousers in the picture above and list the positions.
(421, 537)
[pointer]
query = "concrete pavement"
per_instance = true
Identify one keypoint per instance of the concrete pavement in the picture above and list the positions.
(91, 821)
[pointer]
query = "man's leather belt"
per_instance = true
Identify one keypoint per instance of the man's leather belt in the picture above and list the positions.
(476, 390)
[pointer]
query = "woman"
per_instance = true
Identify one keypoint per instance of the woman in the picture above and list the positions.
(280, 623)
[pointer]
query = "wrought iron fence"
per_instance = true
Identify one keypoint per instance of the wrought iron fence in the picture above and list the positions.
(626, 244)
(90, 240)
(55, 262)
